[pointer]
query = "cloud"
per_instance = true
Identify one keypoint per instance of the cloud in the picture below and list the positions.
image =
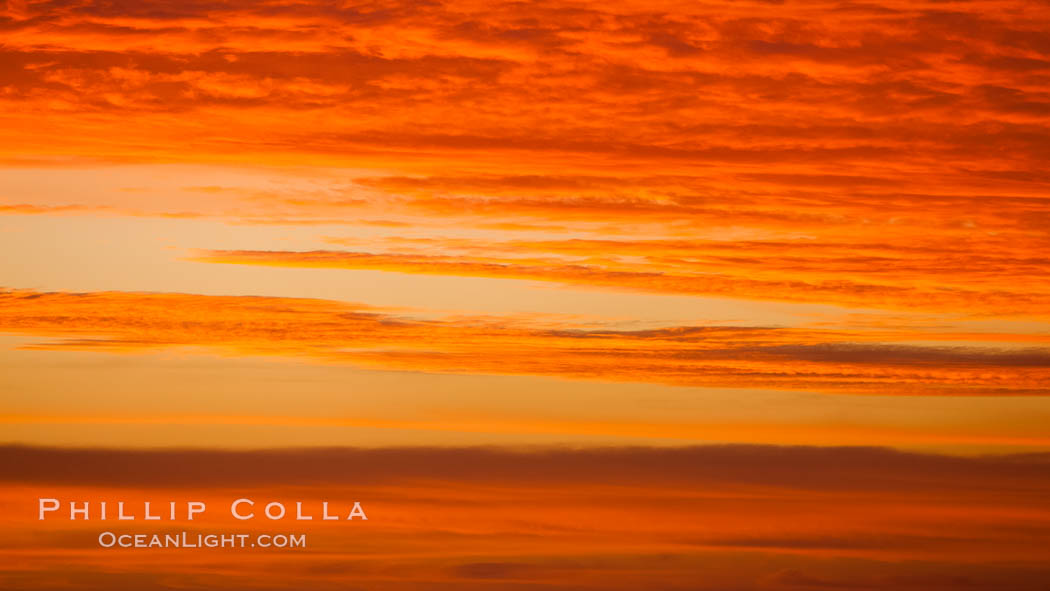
(901, 278)
(895, 150)
(334, 332)
(886, 88)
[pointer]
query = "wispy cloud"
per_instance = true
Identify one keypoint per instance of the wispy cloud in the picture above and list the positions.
(333, 332)
(930, 279)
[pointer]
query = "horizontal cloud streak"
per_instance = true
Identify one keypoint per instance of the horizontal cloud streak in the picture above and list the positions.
(333, 332)
(720, 270)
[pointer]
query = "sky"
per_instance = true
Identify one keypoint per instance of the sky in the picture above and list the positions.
(576, 237)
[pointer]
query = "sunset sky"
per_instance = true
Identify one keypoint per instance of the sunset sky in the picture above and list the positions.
(737, 249)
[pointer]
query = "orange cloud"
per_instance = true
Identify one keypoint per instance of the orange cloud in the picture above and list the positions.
(333, 332)
(864, 276)
(884, 90)
(880, 155)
